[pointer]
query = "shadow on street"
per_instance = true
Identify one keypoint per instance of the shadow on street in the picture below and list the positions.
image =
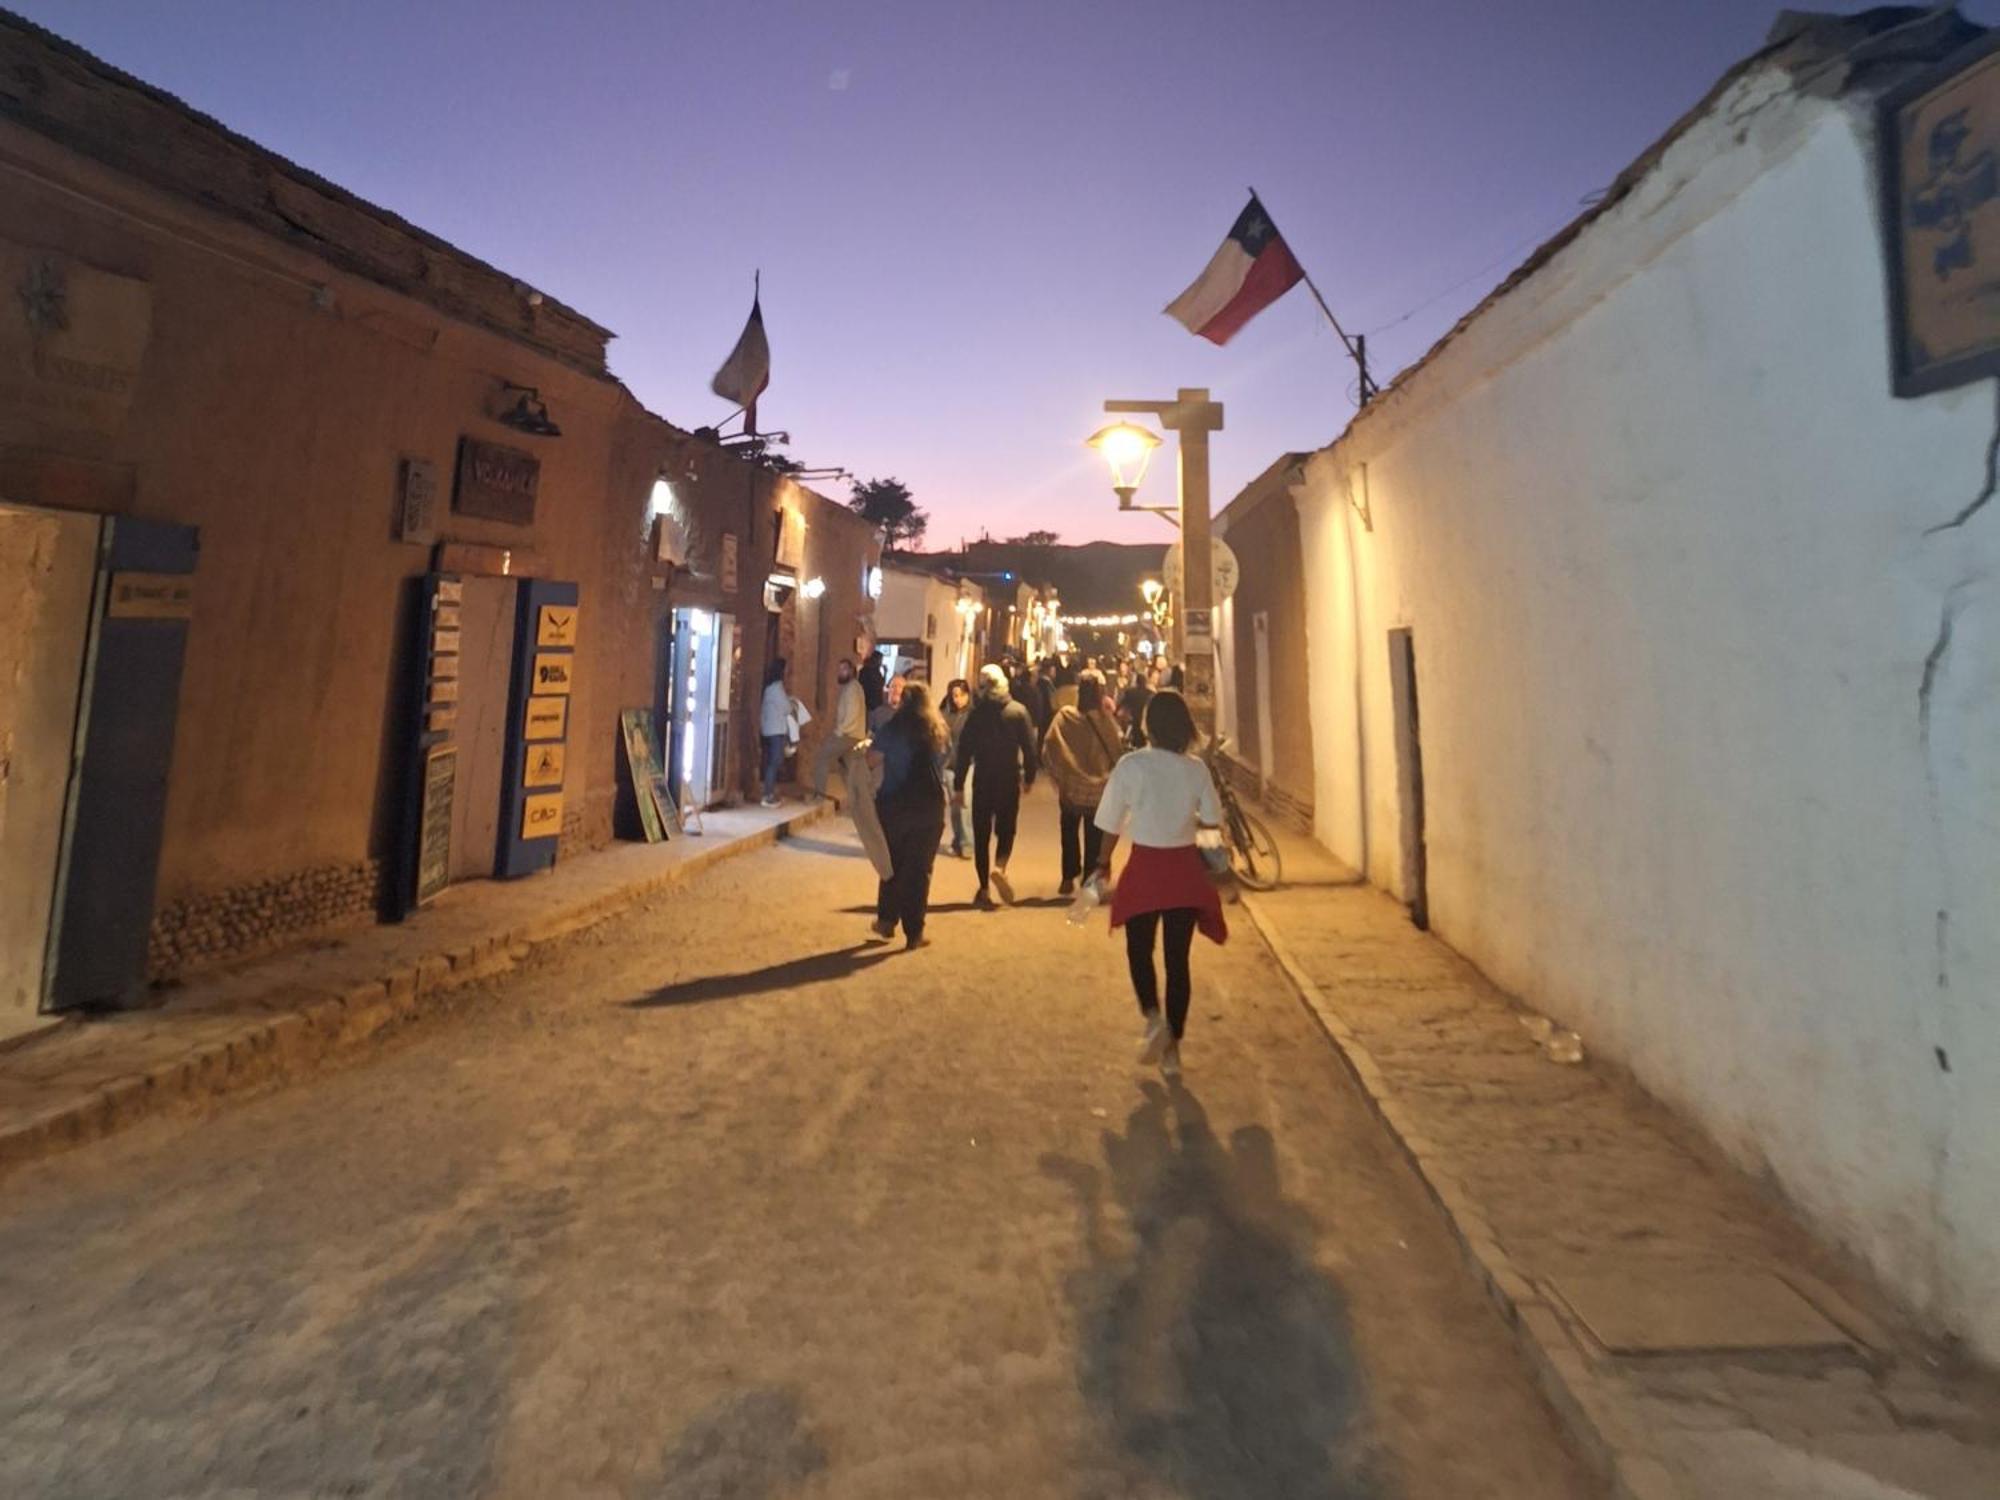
(813, 968)
(1217, 1352)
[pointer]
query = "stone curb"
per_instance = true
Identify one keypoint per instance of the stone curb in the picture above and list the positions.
(301, 1029)
(1585, 1404)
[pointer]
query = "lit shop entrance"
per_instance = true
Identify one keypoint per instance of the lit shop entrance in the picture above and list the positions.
(701, 653)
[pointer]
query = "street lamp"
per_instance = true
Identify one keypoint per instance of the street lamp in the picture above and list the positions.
(1152, 588)
(1127, 448)
(1191, 417)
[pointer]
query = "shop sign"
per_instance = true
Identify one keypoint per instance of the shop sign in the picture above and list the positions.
(543, 766)
(541, 816)
(1940, 169)
(728, 568)
(71, 342)
(1198, 632)
(552, 671)
(791, 538)
(416, 512)
(150, 596)
(496, 482)
(1224, 571)
(547, 719)
(556, 626)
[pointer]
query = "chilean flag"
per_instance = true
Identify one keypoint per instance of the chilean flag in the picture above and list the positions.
(1253, 269)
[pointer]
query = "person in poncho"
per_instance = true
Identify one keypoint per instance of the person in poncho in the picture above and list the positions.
(1079, 751)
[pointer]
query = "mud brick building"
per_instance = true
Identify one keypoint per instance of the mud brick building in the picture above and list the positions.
(299, 503)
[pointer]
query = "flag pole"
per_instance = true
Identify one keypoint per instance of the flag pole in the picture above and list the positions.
(1357, 345)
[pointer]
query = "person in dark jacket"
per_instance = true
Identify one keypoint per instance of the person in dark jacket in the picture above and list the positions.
(874, 679)
(997, 749)
(907, 756)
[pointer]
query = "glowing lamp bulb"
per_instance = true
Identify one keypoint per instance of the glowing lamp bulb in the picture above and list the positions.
(1126, 448)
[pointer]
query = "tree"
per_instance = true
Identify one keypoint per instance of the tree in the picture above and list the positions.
(1041, 541)
(887, 503)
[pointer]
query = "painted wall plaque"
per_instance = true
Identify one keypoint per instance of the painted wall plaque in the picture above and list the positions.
(557, 625)
(547, 718)
(72, 339)
(416, 516)
(1940, 164)
(434, 822)
(553, 671)
(543, 766)
(541, 816)
(496, 482)
(150, 596)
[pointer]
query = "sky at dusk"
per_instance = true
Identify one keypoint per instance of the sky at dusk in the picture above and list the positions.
(968, 215)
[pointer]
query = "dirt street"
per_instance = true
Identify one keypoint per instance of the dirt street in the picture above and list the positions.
(720, 1201)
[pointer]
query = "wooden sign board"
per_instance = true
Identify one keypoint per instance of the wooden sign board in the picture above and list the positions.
(727, 570)
(1940, 143)
(496, 482)
(547, 719)
(541, 816)
(657, 810)
(434, 822)
(556, 626)
(553, 670)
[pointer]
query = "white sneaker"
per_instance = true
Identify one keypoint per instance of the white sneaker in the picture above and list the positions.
(767, 801)
(1170, 1061)
(1156, 1039)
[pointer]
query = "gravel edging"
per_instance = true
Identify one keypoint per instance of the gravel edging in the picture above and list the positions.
(1587, 1406)
(291, 1031)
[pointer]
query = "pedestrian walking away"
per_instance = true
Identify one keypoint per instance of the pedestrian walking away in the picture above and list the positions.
(777, 721)
(996, 748)
(850, 725)
(907, 756)
(1132, 707)
(1155, 799)
(957, 704)
(874, 678)
(1079, 752)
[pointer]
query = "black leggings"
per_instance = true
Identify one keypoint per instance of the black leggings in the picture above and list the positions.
(1139, 930)
(1082, 841)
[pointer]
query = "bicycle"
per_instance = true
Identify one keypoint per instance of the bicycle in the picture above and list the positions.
(1253, 853)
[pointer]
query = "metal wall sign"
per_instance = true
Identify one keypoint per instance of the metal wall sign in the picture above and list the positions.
(1940, 177)
(496, 482)
(1224, 571)
(72, 339)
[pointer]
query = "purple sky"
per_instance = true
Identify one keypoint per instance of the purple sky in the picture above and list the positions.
(968, 215)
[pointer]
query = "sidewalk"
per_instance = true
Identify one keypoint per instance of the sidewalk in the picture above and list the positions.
(280, 1016)
(1695, 1338)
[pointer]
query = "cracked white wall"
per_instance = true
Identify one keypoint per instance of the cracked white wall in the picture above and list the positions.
(1670, 552)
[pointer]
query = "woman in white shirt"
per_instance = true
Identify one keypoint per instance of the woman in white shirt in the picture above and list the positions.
(774, 717)
(1156, 798)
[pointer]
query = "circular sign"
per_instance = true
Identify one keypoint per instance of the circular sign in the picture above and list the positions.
(1223, 570)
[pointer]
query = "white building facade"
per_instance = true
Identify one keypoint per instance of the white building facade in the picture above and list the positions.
(1654, 656)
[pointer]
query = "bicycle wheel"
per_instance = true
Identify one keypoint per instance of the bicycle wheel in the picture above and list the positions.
(1253, 854)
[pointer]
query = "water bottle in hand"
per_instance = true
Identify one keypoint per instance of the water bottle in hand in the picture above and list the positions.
(1089, 896)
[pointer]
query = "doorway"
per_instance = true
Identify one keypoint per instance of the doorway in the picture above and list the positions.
(1267, 733)
(1409, 773)
(487, 611)
(48, 576)
(702, 646)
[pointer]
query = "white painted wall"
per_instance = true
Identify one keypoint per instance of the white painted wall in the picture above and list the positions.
(1660, 531)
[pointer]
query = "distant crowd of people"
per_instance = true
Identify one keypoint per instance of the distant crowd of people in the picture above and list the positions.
(1118, 748)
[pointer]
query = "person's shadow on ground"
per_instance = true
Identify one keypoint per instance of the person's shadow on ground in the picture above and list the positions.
(1211, 1344)
(813, 968)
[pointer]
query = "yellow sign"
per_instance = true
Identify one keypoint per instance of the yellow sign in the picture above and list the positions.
(444, 666)
(552, 672)
(444, 690)
(547, 718)
(445, 641)
(151, 596)
(557, 626)
(447, 617)
(541, 816)
(544, 766)
(441, 719)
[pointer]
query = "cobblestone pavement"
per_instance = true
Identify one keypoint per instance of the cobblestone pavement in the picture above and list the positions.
(718, 1201)
(1579, 1173)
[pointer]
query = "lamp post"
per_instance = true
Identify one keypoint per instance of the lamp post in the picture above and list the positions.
(1126, 448)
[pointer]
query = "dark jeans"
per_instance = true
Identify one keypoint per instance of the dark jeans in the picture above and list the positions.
(774, 761)
(1082, 841)
(1139, 930)
(912, 834)
(993, 817)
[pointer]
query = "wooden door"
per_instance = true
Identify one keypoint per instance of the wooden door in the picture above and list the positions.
(486, 660)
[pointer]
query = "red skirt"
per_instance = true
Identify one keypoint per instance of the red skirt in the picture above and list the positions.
(1166, 880)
